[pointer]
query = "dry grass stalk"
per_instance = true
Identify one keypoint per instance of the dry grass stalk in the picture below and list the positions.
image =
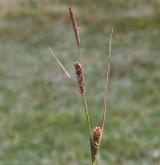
(75, 27)
(107, 81)
(80, 74)
(98, 131)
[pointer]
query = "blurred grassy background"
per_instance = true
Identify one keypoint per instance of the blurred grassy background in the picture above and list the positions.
(41, 115)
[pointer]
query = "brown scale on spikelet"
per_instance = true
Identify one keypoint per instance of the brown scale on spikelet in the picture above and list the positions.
(96, 138)
(79, 75)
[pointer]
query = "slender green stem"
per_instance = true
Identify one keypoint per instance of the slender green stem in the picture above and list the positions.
(85, 102)
(86, 110)
(94, 162)
(88, 121)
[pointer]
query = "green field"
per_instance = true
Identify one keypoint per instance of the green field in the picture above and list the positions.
(41, 114)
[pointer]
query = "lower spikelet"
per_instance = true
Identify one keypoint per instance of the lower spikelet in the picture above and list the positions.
(97, 132)
(79, 75)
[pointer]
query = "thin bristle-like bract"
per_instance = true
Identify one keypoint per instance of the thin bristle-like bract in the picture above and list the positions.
(79, 75)
(59, 63)
(96, 139)
(75, 27)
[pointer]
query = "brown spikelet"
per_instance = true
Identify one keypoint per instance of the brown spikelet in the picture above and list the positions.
(79, 75)
(97, 132)
(75, 27)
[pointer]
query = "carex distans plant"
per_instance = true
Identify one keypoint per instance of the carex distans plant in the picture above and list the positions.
(95, 135)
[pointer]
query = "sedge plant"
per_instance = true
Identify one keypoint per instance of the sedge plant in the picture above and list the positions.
(94, 135)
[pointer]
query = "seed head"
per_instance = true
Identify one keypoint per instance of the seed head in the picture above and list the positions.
(97, 132)
(79, 75)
